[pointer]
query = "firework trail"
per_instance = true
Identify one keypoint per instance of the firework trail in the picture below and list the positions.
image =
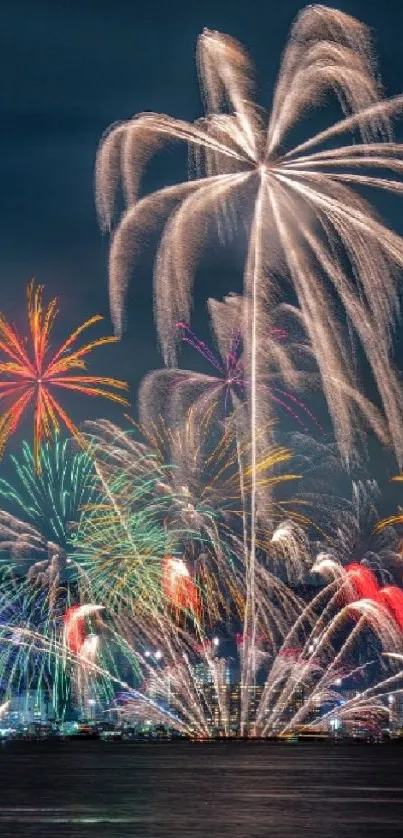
(305, 655)
(31, 377)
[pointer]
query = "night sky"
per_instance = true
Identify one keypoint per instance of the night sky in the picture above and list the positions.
(71, 68)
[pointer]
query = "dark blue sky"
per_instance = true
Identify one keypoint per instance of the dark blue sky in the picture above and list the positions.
(71, 68)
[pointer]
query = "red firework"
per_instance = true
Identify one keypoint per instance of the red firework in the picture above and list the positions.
(392, 597)
(74, 629)
(364, 581)
(178, 586)
(366, 586)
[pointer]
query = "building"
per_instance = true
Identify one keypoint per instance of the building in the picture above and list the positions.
(223, 698)
(29, 707)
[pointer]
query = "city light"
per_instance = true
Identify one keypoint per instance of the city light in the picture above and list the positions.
(196, 568)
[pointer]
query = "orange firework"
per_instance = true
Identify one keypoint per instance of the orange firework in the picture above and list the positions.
(31, 373)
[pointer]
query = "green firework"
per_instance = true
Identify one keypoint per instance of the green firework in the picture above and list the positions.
(53, 499)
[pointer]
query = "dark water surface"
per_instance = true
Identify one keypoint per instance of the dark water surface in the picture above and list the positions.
(239, 789)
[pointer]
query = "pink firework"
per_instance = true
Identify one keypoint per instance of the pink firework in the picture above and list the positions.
(230, 377)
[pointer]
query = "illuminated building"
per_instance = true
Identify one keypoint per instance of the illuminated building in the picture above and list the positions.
(221, 690)
(29, 707)
(394, 704)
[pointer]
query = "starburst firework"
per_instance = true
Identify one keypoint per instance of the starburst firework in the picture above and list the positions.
(30, 377)
(52, 500)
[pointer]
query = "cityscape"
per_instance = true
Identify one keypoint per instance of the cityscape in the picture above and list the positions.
(31, 715)
(201, 421)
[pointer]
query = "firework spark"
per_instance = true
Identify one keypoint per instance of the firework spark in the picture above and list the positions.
(197, 478)
(227, 386)
(52, 500)
(30, 377)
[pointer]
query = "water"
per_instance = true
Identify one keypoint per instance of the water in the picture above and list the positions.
(237, 789)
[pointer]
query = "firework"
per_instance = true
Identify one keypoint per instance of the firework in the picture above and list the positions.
(118, 555)
(297, 194)
(303, 197)
(122, 539)
(359, 582)
(30, 611)
(302, 667)
(178, 586)
(228, 385)
(357, 534)
(196, 477)
(53, 644)
(305, 216)
(74, 628)
(52, 500)
(30, 377)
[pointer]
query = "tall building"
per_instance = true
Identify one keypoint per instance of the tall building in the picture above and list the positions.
(29, 707)
(221, 691)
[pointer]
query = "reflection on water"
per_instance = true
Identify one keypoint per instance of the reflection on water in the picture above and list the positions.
(238, 789)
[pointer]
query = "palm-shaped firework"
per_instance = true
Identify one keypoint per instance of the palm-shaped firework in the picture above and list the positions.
(306, 220)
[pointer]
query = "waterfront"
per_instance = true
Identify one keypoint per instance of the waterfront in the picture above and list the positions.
(238, 789)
